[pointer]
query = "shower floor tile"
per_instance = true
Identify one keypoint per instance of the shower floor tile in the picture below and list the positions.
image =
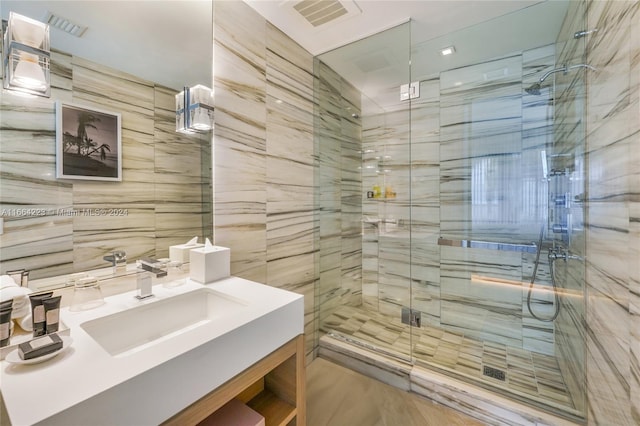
(528, 374)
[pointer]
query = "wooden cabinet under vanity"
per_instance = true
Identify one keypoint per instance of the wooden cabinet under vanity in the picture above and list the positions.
(273, 386)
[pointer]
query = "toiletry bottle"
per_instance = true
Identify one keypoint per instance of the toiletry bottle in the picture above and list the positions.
(52, 313)
(5, 323)
(377, 192)
(37, 313)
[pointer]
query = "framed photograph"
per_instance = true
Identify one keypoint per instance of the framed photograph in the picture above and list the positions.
(88, 143)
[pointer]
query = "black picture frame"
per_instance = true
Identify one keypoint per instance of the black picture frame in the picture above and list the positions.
(88, 143)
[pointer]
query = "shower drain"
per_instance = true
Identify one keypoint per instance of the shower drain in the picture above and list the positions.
(495, 373)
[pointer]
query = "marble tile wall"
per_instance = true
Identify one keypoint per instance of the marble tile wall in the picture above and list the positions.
(403, 225)
(481, 125)
(480, 156)
(339, 193)
(386, 165)
(240, 173)
(42, 244)
(612, 232)
(634, 216)
(351, 192)
(291, 231)
(329, 188)
(160, 193)
(264, 155)
(182, 190)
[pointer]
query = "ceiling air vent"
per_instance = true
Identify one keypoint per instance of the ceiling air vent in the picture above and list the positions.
(65, 25)
(319, 12)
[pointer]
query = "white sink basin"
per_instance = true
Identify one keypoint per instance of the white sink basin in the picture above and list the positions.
(135, 329)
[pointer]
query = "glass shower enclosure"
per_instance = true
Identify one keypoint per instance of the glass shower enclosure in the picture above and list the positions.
(451, 193)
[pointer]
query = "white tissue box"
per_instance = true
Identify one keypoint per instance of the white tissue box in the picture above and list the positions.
(210, 264)
(180, 253)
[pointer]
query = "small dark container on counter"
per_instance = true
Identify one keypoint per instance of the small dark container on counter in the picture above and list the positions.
(52, 313)
(37, 313)
(5, 324)
(39, 346)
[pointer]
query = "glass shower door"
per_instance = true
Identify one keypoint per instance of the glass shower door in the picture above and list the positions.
(496, 164)
(364, 151)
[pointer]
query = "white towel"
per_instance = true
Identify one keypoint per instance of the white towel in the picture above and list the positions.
(20, 297)
(7, 281)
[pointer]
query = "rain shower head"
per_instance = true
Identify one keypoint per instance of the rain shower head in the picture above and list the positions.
(534, 89)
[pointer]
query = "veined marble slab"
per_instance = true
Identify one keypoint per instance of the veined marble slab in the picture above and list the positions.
(265, 162)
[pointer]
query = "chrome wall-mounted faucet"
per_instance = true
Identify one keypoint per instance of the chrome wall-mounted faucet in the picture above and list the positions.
(118, 258)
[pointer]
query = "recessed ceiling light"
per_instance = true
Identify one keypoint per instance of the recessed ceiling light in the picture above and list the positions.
(448, 51)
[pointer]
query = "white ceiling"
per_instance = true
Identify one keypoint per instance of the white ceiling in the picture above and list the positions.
(169, 41)
(433, 18)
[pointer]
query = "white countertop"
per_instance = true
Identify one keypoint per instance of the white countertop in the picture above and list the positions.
(85, 385)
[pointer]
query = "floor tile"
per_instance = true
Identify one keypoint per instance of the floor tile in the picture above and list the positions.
(337, 396)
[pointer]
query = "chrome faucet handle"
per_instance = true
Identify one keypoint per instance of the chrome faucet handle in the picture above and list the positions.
(150, 266)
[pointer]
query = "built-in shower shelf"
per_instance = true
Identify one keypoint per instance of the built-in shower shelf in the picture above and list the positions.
(489, 245)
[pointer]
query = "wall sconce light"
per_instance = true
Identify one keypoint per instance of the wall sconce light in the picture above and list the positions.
(194, 110)
(26, 56)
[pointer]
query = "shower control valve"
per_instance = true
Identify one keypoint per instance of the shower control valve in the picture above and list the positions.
(560, 253)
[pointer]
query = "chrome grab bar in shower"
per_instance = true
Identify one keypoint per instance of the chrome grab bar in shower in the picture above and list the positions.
(488, 245)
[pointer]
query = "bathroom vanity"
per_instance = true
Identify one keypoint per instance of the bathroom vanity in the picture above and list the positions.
(174, 359)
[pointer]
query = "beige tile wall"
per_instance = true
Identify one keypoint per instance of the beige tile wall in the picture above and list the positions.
(612, 232)
(339, 192)
(263, 155)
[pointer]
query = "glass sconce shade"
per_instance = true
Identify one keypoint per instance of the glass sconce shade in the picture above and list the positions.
(26, 56)
(194, 110)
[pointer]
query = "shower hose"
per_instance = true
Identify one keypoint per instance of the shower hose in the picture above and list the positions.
(553, 282)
